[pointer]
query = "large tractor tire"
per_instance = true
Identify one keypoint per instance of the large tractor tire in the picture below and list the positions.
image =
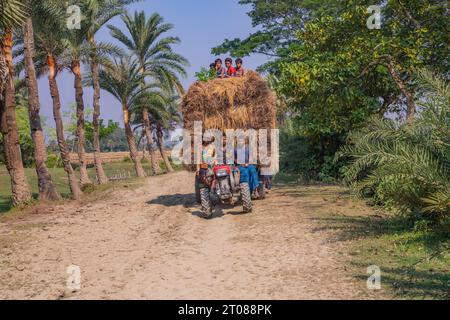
(207, 207)
(246, 198)
(197, 190)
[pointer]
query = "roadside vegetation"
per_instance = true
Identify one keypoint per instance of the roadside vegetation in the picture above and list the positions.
(369, 109)
(37, 40)
(117, 172)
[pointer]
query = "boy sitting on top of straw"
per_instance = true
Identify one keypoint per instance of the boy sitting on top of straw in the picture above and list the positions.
(239, 71)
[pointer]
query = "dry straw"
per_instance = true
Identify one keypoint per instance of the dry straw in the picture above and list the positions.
(235, 103)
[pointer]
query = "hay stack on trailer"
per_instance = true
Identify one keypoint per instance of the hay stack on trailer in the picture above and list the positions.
(234, 103)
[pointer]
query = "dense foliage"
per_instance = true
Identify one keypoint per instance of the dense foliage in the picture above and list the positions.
(337, 73)
(407, 166)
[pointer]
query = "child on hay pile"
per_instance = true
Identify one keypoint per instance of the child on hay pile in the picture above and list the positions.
(239, 71)
(220, 70)
(231, 71)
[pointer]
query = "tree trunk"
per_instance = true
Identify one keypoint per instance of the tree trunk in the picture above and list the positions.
(78, 85)
(148, 130)
(8, 126)
(160, 136)
(132, 144)
(47, 188)
(150, 142)
(411, 105)
(101, 176)
(64, 149)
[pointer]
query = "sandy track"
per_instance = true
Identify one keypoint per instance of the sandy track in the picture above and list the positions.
(150, 243)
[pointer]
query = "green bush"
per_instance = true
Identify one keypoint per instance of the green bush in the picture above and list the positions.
(88, 188)
(205, 75)
(304, 156)
(407, 166)
(54, 161)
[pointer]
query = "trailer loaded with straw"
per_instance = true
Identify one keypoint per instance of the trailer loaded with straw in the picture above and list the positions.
(233, 103)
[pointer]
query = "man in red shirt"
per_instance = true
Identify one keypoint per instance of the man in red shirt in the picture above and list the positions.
(231, 71)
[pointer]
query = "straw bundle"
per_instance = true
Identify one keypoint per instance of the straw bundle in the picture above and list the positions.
(234, 103)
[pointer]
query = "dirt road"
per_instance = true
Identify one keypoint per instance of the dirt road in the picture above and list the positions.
(150, 243)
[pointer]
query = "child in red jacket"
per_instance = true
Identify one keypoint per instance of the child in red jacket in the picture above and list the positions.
(231, 71)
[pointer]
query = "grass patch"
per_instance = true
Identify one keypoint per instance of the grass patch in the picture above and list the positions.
(115, 169)
(414, 260)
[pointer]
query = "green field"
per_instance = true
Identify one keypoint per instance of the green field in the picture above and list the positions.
(60, 177)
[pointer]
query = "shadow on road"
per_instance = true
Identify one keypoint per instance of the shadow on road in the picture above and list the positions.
(188, 202)
(221, 210)
(174, 200)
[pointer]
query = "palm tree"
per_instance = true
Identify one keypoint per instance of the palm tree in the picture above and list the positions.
(46, 186)
(155, 57)
(407, 164)
(124, 81)
(167, 120)
(11, 15)
(99, 12)
(74, 43)
(50, 58)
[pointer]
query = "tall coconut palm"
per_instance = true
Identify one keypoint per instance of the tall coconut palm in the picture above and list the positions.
(99, 12)
(50, 58)
(11, 14)
(124, 81)
(155, 57)
(46, 186)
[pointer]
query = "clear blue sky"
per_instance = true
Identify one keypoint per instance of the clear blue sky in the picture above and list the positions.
(200, 24)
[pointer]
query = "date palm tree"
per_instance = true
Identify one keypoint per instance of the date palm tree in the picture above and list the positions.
(12, 14)
(123, 80)
(156, 58)
(166, 119)
(73, 41)
(51, 58)
(46, 186)
(98, 13)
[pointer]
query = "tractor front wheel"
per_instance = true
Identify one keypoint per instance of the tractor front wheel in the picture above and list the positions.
(207, 207)
(246, 198)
